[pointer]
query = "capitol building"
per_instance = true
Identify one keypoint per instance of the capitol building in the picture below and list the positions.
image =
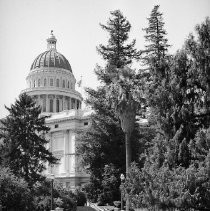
(51, 84)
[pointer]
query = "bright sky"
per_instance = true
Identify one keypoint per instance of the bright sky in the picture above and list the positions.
(26, 24)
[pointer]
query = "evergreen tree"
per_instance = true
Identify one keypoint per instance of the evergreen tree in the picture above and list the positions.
(104, 144)
(14, 191)
(155, 37)
(116, 53)
(24, 142)
(176, 170)
(198, 52)
(105, 137)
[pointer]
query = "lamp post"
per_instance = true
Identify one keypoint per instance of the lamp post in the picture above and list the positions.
(52, 179)
(122, 178)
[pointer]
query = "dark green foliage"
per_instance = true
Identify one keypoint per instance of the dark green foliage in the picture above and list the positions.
(24, 143)
(104, 142)
(155, 37)
(176, 169)
(14, 191)
(110, 185)
(164, 188)
(117, 52)
(80, 197)
(199, 80)
(62, 197)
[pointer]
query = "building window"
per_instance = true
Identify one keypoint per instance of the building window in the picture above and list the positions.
(68, 84)
(85, 123)
(77, 104)
(71, 86)
(45, 82)
(39, 82)
(44, 105)
(51, 105)
(73, 103)
(34, 83)
(63, 83)
(68, 104)
(56, 126)
(57, 105)
(57, 82)
(51, 82)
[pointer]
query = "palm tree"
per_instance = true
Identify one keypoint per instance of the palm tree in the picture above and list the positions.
(124, 94)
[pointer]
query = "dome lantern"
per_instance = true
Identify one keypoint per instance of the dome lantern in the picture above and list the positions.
(51, 57)
(51, 41)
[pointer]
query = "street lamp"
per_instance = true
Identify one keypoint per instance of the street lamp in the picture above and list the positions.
(122, 178)
(52, 177)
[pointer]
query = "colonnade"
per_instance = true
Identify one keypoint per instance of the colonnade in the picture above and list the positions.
(56, 103)
(66, 154)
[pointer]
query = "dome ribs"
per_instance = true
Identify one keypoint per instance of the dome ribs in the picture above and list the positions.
(51, 58)
(45, 55)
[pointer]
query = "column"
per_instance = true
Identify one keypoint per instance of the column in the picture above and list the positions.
(72, 152)
(63, 102)
(54, 104)
(66, 151)
(47, 104)
(69, 103)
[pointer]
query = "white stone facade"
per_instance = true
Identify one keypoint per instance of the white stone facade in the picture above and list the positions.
(52, 84)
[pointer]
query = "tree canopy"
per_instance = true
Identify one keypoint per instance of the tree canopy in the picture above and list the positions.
(23, 133)
(176, 168)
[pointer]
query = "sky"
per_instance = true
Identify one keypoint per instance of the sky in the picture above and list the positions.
(26, 24)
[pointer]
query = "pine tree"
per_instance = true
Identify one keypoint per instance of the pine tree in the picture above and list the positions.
(157, 62)
(179, 155)
(157, 46)
(198, 52)
(105, 137)
(117, 53)
(24, 143)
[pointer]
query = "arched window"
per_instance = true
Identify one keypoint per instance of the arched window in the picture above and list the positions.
(39, 82)
(68, 85)
(57, 105)
(45, 82)
(51, 105)
(63, 83)
(34, 83)
(51, 82)
(57, 82)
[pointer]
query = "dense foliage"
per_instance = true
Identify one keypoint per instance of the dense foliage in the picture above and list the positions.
(104, 143)
(16, 194)
(24, 143)
(14, 191)
(118, 53)
(176, 169)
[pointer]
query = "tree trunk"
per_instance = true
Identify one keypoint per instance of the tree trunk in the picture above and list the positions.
(128, 162)
(128, 151)
(208, 103)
